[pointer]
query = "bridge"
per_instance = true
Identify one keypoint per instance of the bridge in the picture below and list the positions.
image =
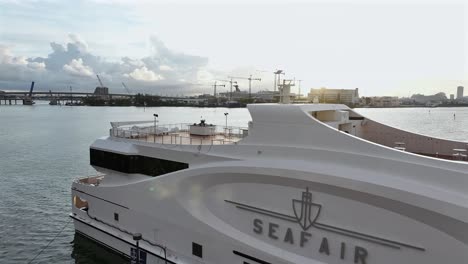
(24, 96)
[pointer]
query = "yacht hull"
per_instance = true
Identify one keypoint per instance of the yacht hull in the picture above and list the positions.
(295, 190)
(114, 240)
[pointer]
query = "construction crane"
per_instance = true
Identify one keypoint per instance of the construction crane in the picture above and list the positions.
(277, 72)
(217, 85)
(99, 79)
(299, 88)
(102, 91)
(250, 79)
(126, 88)
(285, 91)
(231, 82)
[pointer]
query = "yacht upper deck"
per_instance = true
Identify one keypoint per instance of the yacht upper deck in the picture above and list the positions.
(178, 134)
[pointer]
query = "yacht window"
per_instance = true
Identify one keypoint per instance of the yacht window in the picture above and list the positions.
(116, 217)
(197, 250)
(134, 163)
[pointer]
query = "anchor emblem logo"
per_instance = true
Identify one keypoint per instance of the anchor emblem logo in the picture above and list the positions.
(305, 211)
(306, 214)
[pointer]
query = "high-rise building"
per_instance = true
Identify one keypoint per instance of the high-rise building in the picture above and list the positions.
(452, 97)
(460, 92)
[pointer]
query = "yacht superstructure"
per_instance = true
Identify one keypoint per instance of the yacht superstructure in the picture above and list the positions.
(302, 184)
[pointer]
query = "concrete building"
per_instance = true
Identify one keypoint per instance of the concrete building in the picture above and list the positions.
(235, 95)
(268, 96)
(452, 97)
(101, 91)
(460, 92)
(382, 101)
(343, 96)
(424, 99)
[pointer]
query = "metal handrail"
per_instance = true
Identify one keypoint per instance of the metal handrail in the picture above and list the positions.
(142, 133)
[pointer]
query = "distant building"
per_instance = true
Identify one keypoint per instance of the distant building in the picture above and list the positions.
(460, 92)
(205, 96)
(235, 95)
(193, 101)
(268, 96)
(424, 99)
(382, 101)
(452, 97)
(101, 91)
(342, 96)
(407, 101)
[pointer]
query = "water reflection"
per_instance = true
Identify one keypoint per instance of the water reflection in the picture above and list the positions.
(86, 251)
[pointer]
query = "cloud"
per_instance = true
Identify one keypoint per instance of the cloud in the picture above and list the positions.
(15, 69)
(165, 68)
(6, 57)
(37, 65)
(132, 62)
(81, 45)
(76, 67)
(204, 76)
(73, 63)
(143, 74)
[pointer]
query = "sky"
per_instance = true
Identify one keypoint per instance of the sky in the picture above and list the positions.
(181, 47)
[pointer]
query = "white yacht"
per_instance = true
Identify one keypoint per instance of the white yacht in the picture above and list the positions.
(308, 184)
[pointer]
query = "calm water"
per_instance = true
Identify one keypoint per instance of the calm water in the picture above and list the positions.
(43, 148)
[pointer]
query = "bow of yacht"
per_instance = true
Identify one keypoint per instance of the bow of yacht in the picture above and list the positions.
(315, 183)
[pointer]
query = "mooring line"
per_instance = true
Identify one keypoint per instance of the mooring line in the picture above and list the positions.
(50, 242)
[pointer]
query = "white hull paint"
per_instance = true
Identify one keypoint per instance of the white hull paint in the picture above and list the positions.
(297, 189)
(119, 243)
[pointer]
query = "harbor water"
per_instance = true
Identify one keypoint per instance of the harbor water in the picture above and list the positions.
(44, 148)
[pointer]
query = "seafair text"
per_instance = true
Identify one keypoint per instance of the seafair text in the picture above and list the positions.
(285, 234)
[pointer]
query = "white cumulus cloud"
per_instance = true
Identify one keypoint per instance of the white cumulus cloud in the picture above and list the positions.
(73, 63)
(6, 57)
(165, 68)
(143, 74)
(79, 42)
(37, 65)
(77, 68)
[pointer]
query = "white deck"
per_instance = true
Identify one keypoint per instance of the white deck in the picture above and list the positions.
(179, 134)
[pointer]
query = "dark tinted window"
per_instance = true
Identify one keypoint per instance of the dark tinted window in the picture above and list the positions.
(134, 163)
(197, 250)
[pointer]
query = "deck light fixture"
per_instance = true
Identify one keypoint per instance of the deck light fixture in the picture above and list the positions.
(155, 128)
(226, 115)
(137, 237)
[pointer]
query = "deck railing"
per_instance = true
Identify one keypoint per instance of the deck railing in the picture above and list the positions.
(179, 134)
